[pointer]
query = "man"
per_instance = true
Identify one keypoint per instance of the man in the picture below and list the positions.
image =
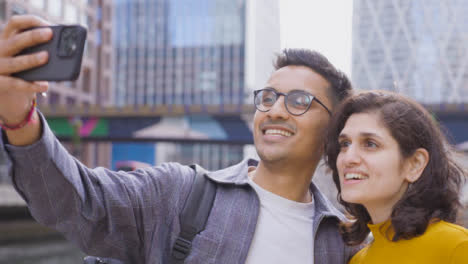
(264, 212)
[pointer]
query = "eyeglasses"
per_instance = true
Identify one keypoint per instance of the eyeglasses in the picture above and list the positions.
(296, 102)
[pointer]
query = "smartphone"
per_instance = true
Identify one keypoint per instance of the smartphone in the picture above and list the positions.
(65, 55)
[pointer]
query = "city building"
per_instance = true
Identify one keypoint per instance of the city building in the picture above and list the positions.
(418, 48)
(207, 54)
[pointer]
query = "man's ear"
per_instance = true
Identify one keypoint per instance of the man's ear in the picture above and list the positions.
(416, 164)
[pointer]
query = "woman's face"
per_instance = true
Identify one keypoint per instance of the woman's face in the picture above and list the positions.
(370, 166)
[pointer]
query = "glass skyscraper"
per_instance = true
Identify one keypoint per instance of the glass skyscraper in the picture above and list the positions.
(179, 52)
(418, 47)
(183, 53)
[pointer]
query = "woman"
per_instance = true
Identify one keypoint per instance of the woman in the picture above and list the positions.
(396, 177)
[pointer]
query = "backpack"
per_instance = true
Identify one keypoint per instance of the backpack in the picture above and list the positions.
(193, 219)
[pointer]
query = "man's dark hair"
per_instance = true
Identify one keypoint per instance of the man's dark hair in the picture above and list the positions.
(433, 197)
(340, 84)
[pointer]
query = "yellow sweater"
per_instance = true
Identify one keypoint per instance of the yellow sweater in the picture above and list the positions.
(442, 243)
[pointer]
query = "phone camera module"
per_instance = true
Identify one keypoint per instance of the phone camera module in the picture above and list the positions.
(68, 42)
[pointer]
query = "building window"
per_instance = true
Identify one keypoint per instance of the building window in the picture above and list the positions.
(69, 84)
(86, 80)
(84, 19)
(90, 22)
(89, 51)
(106, 88)
(55, 7)
(98, 37)
(18, 10)
(107, 36)
(39, 4)
(54, 98)
(71, 13)
(71, 101)
(107, 61)
(107, 12)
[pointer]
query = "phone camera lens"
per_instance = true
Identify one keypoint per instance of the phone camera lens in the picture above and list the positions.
(68, 40)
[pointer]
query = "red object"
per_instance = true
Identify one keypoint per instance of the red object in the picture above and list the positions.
(25, 121)
(130, 165)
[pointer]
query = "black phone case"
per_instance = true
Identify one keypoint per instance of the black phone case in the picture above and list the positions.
(61, 65)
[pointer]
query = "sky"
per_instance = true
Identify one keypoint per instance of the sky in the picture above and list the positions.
(322, 25)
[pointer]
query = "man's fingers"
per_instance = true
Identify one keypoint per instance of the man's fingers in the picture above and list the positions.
(26, 39)
(16, 64)
(10, 84)
(20, 23)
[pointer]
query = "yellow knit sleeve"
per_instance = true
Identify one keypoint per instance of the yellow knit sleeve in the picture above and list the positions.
(460, 254)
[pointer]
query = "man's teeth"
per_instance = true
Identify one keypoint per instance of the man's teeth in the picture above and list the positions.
(354, 176)
(278, 132)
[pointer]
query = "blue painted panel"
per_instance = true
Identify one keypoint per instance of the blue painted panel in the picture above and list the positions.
(143, 152)
(236, 128)
(207, 126)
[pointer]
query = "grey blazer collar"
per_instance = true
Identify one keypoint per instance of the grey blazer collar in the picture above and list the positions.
(237, 175)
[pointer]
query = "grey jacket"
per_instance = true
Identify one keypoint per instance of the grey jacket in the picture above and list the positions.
(135, 216)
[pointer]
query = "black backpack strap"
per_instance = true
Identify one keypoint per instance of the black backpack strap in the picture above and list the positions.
(194, 214)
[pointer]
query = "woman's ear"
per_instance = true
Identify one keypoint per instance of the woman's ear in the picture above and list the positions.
(416, 164)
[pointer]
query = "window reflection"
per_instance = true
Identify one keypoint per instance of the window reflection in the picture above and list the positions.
(38, 3)
(71, 13)
(55, 7)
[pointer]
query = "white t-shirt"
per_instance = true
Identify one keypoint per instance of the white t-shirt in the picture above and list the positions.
(284, 231)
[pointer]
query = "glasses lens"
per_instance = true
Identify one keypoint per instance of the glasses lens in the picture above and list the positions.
(265, 99)
(298, 102)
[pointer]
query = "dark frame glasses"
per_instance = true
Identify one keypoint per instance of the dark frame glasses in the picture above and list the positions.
(299, 101)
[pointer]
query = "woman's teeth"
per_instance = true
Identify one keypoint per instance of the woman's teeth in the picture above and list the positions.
(355, 176)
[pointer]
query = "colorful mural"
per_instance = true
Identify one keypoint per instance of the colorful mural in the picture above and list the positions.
(223, 129)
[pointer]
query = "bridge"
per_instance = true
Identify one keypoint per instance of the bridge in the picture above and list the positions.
(227, 124)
